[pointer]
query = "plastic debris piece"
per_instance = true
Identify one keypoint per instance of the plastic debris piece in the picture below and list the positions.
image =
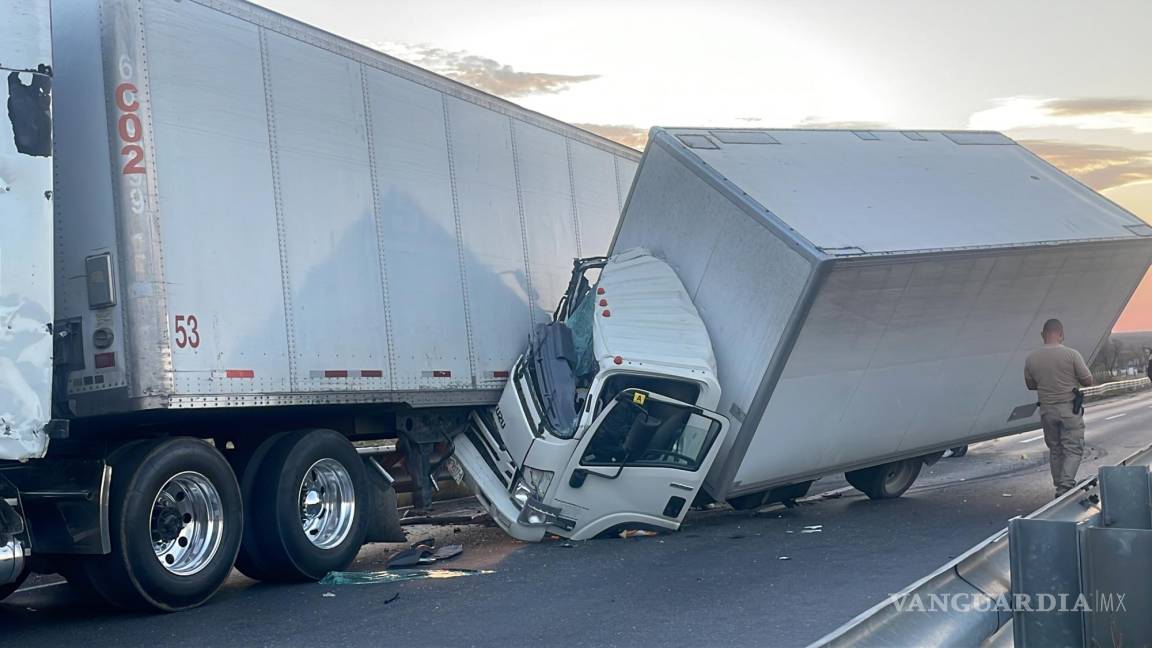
(814, 527)
(396, 576)
(783, 558)
(637, 533)
(566, 545)
(447, 552)
(1005, 494)
(329, 595)
(408, 557)
(392, 598)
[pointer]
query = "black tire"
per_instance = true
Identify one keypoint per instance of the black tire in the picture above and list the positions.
(251, 560)
(384, 522)
(960, 451)
(747, 502)
(886, 481)
(288, 553)
(132, 576)
(10, 588)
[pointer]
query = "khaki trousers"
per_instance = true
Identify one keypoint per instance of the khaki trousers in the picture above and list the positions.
(1064, 436)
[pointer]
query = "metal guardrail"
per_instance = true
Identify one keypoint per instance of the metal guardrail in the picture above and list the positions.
(1117, 387)
(982, 573)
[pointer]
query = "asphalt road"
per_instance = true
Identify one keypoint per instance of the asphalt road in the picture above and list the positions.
(727, 578)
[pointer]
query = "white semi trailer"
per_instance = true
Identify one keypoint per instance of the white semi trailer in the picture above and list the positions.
(265, 249)
(780, 305)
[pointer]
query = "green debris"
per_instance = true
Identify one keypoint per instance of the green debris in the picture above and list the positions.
(396, 575)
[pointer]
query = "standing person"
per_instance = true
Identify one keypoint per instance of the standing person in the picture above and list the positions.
(1055, 372)
(1148, 369)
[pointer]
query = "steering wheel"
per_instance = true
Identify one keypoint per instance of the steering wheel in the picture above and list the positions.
(654, 454)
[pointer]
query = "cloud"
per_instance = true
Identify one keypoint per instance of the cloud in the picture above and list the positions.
(815, 122)
(1098, 166)
(1011, 113)
(1103, 106)
(480, 72)
(633, 136)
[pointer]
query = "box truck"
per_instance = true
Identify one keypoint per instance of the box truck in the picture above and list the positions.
(780, 305)
(267, 256)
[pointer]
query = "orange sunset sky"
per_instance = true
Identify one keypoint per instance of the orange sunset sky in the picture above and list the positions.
(1070, 80)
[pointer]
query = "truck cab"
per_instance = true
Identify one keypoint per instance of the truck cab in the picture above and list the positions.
(607, 420)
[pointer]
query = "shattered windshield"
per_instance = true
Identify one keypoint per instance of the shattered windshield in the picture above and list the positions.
(549, 363)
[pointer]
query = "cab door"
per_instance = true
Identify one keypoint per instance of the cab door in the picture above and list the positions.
(639, 465)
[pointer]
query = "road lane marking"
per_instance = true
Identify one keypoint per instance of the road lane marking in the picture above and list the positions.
(36, 587)
(1031, 439)
(1116, 416)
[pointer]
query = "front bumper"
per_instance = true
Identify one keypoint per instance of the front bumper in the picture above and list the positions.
(493, 496)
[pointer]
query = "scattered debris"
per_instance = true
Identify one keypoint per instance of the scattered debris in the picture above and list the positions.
(423, 552)
(329, 594)
(396, 576)
(392, 598)
(1005, 494)
(566, 545)
(816, 528)
(637, 533)
(783, 558)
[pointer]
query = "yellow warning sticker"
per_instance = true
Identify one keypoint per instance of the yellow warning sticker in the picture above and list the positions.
(639, 397)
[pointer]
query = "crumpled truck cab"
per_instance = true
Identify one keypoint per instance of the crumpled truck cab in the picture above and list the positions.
(606, 422)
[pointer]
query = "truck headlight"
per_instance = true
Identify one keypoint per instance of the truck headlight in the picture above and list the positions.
(531, 483)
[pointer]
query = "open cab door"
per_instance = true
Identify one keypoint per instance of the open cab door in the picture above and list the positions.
(639, 465)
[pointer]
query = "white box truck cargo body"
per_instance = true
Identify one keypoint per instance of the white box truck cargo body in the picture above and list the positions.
(869, 298)
(276, 251)
(872, 295)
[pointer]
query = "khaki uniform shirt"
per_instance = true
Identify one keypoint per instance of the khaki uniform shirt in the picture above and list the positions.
(1054, 371)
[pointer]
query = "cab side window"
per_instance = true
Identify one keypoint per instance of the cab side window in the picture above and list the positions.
(650, 434)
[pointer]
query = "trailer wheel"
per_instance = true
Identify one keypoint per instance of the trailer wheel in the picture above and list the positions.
(309, 506)
(176, 522)
(10, 588)
(885, 481)
(246, 463)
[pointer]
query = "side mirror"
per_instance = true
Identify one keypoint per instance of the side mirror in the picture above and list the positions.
(577, 478)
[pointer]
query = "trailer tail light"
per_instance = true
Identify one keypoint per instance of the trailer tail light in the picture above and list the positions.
(618, 360)
(603, 302)
(607, 313)
(105, 360)
(599, 291)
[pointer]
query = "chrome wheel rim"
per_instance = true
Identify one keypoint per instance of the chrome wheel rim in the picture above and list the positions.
(187, 523)
(898, 475)
(327, 503)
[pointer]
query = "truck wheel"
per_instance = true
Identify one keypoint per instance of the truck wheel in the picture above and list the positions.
(10, 588)
(384, 523)
(309, 506)
(176, 519)
(246, 463)
(886, 481)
